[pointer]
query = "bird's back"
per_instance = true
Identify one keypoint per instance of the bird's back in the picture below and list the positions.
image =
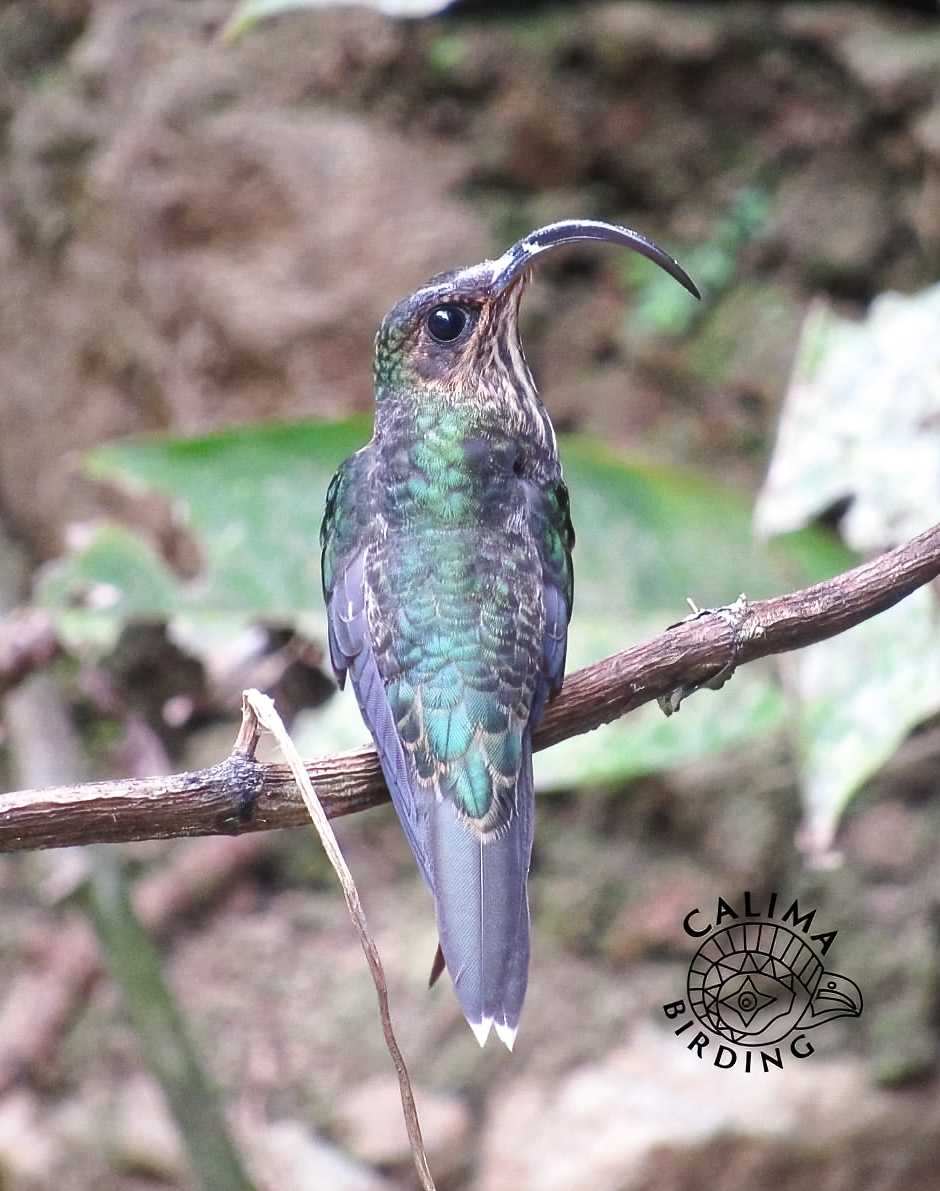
(464, 565)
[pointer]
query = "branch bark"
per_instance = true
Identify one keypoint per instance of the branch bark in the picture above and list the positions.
(241, 795)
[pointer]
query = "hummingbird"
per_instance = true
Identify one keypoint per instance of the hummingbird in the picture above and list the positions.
(448, 582)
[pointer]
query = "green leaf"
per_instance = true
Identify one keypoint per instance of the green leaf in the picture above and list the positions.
(861, 423)
(648, 537)
(860, 694)
(861, 427)
(113, 578)
(252, 500)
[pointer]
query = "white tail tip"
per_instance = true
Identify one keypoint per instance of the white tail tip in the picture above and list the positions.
(481, 1029)
(506, 1034)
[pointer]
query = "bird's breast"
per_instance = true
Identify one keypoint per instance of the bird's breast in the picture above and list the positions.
(452, 477)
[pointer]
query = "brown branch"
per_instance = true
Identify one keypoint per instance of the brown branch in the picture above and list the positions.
(27, 641)
(242, 795)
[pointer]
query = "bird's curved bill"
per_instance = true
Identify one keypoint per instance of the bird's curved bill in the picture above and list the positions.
(515, 260)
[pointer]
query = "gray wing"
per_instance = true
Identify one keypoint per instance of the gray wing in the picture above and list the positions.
(351, 652)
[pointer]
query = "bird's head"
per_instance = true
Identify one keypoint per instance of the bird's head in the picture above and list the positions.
(458, 337)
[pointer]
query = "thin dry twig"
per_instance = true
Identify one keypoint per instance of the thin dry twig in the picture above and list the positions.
(259, 709)
(242, 795)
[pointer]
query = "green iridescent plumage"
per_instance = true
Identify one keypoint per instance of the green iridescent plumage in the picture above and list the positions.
(447, 574)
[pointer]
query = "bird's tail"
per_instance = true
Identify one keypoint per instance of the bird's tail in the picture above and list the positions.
(483, 911)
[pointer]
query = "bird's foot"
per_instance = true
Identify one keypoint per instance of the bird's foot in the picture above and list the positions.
(731, 614)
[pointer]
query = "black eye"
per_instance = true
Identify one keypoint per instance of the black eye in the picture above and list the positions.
(446, 322)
